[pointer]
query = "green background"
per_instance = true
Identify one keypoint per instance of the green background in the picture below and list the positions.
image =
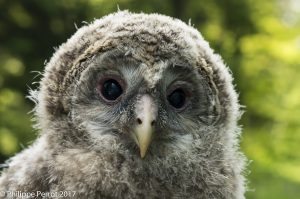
(258, 39)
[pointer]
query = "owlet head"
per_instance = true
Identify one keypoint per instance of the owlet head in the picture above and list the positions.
(147, 82)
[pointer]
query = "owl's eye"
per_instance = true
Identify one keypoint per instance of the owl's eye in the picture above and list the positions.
(177, 98)
(111, 89)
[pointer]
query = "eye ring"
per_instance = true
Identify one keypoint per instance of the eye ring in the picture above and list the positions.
(111, 88)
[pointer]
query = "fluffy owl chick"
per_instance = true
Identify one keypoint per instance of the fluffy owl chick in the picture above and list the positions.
(133, 106)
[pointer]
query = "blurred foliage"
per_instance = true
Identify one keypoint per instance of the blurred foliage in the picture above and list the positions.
(258, 39)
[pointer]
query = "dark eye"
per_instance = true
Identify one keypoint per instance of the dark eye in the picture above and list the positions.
(111, 89)
(177, 98)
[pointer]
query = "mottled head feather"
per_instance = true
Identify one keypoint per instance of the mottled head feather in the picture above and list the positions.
(148, 38)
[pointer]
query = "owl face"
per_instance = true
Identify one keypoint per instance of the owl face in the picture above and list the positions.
(148, 109)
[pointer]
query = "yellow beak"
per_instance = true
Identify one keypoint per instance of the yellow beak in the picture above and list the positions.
(146, 112)
(143, 134)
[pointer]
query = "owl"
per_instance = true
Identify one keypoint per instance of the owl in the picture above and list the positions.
(133, 105)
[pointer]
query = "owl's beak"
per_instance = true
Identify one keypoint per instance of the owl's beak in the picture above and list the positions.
(146, 113)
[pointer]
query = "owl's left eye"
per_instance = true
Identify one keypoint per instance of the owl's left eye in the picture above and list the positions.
(177, 98)
(110, 89)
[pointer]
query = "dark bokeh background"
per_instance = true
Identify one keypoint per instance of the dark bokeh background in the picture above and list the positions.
(258, 39)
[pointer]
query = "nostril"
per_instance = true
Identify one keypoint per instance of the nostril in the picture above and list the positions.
(153, 123)
(139, 121)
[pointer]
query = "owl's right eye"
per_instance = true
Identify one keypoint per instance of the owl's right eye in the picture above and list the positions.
(111, 90)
